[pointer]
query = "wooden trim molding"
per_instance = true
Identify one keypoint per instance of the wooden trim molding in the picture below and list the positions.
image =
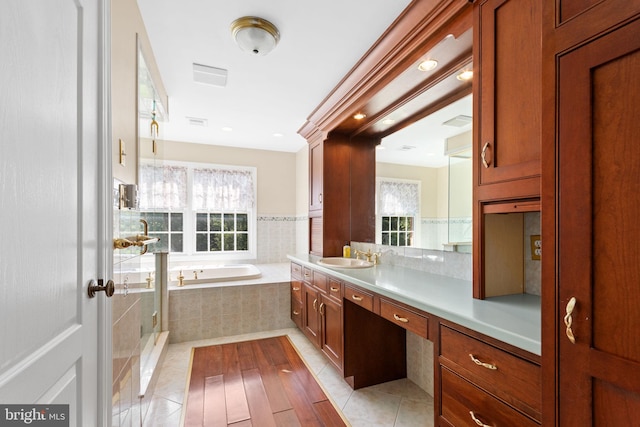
(422, 25)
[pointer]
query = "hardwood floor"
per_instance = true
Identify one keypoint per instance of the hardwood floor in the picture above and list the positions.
(255, 383)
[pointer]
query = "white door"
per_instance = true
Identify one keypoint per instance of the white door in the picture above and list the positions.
(54, 209)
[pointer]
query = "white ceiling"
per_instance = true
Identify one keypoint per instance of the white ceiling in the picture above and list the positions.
(320, 42)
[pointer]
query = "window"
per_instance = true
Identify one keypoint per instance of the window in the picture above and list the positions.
(397, 230)
(397, 212)
(200, 209)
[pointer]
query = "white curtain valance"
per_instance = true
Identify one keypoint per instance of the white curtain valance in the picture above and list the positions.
(398, 198)
(163, 187)
(223, 189)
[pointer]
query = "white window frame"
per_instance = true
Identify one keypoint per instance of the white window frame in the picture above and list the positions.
(189, 220)
(417, 226)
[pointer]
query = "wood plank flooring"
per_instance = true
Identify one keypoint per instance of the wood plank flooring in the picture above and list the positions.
(255, 383)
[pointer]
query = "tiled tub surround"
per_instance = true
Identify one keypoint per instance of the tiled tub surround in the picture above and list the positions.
(203, 311)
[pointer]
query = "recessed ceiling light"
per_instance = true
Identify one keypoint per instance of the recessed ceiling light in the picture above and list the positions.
(427, 65)
(388, 121)
(278, 135)
(227, 129)
(465, 75)
(359, 116)
(197, 121)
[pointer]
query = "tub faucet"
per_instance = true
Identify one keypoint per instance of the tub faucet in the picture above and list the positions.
(180, 279)
(195, 274)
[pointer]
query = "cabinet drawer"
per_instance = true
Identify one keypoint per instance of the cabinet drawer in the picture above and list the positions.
(512, 377)
(307, 274)
(461, 402)
(335, 290)
(358, 297)
(409, 320)
(296, 271)
(296, 290)
(296, 312)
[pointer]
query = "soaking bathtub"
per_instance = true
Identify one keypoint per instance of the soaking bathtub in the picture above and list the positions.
(212, 274)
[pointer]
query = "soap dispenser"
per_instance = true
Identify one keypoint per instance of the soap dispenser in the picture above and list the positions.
(346, 250)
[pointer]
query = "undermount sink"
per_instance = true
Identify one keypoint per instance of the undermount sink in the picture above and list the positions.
(339, 262)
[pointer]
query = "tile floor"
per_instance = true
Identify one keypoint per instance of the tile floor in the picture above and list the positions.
(394, 404)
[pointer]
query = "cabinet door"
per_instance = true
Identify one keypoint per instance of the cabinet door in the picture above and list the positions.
(310, 315)
(315, 175)
(331, 317)
(598, 253)
(507, 90)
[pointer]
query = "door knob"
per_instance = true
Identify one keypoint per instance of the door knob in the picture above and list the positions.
(108, 289)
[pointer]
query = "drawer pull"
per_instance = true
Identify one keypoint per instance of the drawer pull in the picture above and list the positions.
(481, 363)
(296, 289)
(568, 320)
(295, 312)
(322, 308)
(315, 304)
(334, 289)
(400, 319)
(477, 421)
(356, 298)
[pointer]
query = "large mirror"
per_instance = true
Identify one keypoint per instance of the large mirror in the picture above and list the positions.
(424, 182)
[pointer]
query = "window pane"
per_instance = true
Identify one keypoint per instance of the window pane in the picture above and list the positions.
(394, 239)
(402, 239)
(229, 223)
(229, 242)
(243, 242)
(176, 222)
(215, 222)
(158, 221)
(242, 223)
(385, 223)
(176, 242)
(215, 242)
(409, 223)
(201, 222)
(201, 242)
(161, 246)
(402, 226)
(385, 238)
(409, 239)
(394, 223)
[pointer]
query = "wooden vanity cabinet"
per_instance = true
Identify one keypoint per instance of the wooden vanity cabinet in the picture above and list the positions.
(483, 379)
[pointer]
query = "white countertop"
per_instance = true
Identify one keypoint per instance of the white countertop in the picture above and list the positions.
(514, 319)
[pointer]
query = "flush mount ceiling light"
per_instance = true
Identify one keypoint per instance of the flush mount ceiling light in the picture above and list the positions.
(427, 65)
(465, 75)
(255, 35)
(359, 116)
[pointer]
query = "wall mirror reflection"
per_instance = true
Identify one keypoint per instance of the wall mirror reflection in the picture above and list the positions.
(424, 182)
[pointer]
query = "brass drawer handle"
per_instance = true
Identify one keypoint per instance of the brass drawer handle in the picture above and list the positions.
(568, 320)
(481, 363)
(356, 298)
(322, 308)
(477, 421)
(315, 304)
(483, 155)
(334, 289)
(400, 319)
(295, 312)
(296, 289)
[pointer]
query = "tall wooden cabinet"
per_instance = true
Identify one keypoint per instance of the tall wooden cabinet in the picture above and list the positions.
(507, 113)
(341, 192)
(590, 190)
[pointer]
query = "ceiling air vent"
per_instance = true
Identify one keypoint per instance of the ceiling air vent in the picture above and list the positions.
(195, 121)
(458, 121)
(209, 75)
